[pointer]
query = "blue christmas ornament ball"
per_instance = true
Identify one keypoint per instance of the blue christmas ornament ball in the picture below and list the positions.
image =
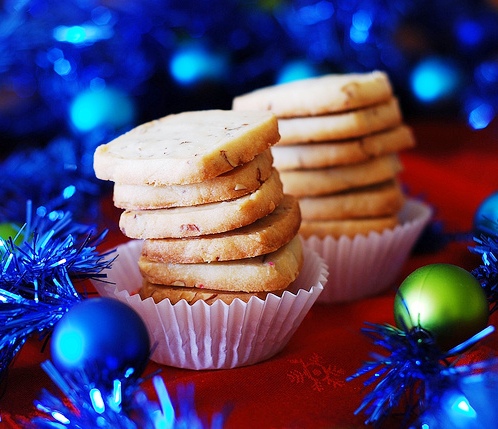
(486, 216)
(104, 334)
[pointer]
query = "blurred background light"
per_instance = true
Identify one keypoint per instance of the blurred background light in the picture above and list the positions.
(360, 27)
(439, 58)
(469, 32)
(294, 70)
(434, 79)
(193, 64)
(481, 115)
(107, 107)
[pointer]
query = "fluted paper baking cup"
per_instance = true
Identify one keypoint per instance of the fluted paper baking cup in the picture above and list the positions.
(366, 265)
(202, 336)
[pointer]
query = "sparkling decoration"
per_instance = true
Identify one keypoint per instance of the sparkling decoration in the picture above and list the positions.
(101, 333)
(410, 374)
(441, 312)
(444, 300)
(37, 274)
(99, 401)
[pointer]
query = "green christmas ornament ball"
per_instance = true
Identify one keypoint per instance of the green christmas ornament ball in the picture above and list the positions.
(10, 230)
(445, 300)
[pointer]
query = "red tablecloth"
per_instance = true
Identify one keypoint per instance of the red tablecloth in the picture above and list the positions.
(453, 169)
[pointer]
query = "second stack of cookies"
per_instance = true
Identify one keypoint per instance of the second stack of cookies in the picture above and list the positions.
(338, 152)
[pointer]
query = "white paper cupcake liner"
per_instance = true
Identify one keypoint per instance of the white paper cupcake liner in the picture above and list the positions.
(216, 336)
(364, 266)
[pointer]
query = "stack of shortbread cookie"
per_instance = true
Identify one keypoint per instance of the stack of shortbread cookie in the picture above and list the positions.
(201, 190)
(338, 152)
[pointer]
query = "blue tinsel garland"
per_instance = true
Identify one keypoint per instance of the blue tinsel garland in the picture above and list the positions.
(123, 406)
(36, 275)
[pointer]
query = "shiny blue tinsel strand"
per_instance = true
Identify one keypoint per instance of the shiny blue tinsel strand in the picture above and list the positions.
(122, 404)
(36, 287)
(413, 357)
(412, 370)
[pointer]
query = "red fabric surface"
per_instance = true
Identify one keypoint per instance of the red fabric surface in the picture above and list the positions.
(454, 169)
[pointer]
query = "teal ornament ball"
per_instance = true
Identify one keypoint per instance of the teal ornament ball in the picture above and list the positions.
(486, 216)
(444, 300)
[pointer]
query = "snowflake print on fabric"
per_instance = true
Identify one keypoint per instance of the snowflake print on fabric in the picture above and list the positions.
(317, 372)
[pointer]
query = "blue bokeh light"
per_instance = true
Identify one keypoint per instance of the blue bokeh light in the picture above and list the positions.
(314, 13)
(82, 34)
(360, 28)
(480, 116)
(434, 79)
(469, 32)
(487, 73)
(62, 67)
(107, 107)
(296, 70)
(194, 63)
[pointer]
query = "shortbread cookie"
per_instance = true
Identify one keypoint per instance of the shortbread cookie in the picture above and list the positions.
(192, 295)
(372, 201)
(318, 95)
(265, 273)
(258, 238)
(340, 126)
(188, 147)
(323, 181)
(394, 140)
(203, 219)
(347, 227)
(240, 181)
(333, 153)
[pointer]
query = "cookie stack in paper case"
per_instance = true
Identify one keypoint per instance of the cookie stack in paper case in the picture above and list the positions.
(212, 227)
(340, 135)
(338, 154)
(202, 193)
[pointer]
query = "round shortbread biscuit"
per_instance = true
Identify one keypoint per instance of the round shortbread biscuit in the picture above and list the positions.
(203, 219)
(373, 201)
(346, 227)
(394, 140)
(323, 181)
(328, 154)
(258, 238)
(187, 147)
(318, 95)
(192, 295)
(240, 181)
(265, 273)
(340, 126)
